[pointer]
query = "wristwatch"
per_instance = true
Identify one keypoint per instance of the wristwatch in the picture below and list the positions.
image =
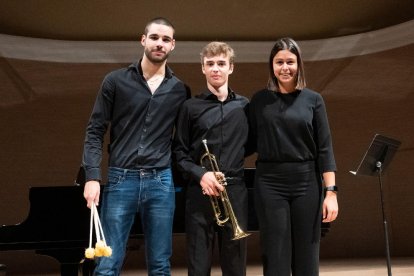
(331, 188)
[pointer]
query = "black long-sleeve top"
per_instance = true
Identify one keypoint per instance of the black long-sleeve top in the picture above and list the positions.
(291, 127)
(141, 123)
(223, 124)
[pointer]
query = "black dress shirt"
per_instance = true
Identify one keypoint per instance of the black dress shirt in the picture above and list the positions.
(141, 122)
(225, 127)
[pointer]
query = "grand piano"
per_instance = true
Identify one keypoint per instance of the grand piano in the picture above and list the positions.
(58, 224)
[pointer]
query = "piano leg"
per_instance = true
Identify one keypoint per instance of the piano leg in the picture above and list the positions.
(88, 266)
(70, 260)
(69, 269)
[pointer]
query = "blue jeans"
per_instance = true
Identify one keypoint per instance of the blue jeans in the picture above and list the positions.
(149, 192)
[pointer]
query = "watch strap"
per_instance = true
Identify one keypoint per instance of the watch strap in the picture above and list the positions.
(333, 188)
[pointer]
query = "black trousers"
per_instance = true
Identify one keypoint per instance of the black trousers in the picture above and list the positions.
(288, 205)
(202, 232)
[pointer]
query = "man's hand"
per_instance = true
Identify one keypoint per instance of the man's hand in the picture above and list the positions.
(91, 192)
(209, 184)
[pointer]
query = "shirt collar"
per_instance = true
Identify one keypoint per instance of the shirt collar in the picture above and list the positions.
(208, 95)
(137, 67)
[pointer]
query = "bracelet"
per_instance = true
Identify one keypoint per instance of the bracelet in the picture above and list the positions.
(331, 188)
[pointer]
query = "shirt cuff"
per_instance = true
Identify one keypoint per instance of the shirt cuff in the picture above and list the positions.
(93, 174)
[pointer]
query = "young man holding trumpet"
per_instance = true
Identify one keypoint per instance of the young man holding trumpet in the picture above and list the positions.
(209, 147)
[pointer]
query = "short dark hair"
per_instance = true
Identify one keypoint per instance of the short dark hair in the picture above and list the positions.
(289, 44)
(159, 20)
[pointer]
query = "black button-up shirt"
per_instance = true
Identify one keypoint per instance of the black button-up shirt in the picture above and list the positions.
(225, 127)
(141, 123)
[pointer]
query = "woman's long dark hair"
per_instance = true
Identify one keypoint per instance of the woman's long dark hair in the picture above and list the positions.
(289, 44)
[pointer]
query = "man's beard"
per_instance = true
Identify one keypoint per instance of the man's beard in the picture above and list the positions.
(155, 59)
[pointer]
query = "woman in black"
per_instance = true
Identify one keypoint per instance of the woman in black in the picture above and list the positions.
(295, 157)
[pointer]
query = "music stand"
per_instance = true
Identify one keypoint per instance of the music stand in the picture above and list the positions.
(375, 161)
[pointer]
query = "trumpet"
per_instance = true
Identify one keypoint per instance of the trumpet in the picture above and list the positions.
(224, 213)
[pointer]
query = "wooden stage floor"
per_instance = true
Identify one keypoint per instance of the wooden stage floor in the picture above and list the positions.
(331, 267)
(335, 267)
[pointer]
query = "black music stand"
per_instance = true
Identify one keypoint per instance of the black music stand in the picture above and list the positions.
(375, 161)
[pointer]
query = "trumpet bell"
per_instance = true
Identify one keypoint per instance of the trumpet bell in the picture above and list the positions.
(239, 234)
